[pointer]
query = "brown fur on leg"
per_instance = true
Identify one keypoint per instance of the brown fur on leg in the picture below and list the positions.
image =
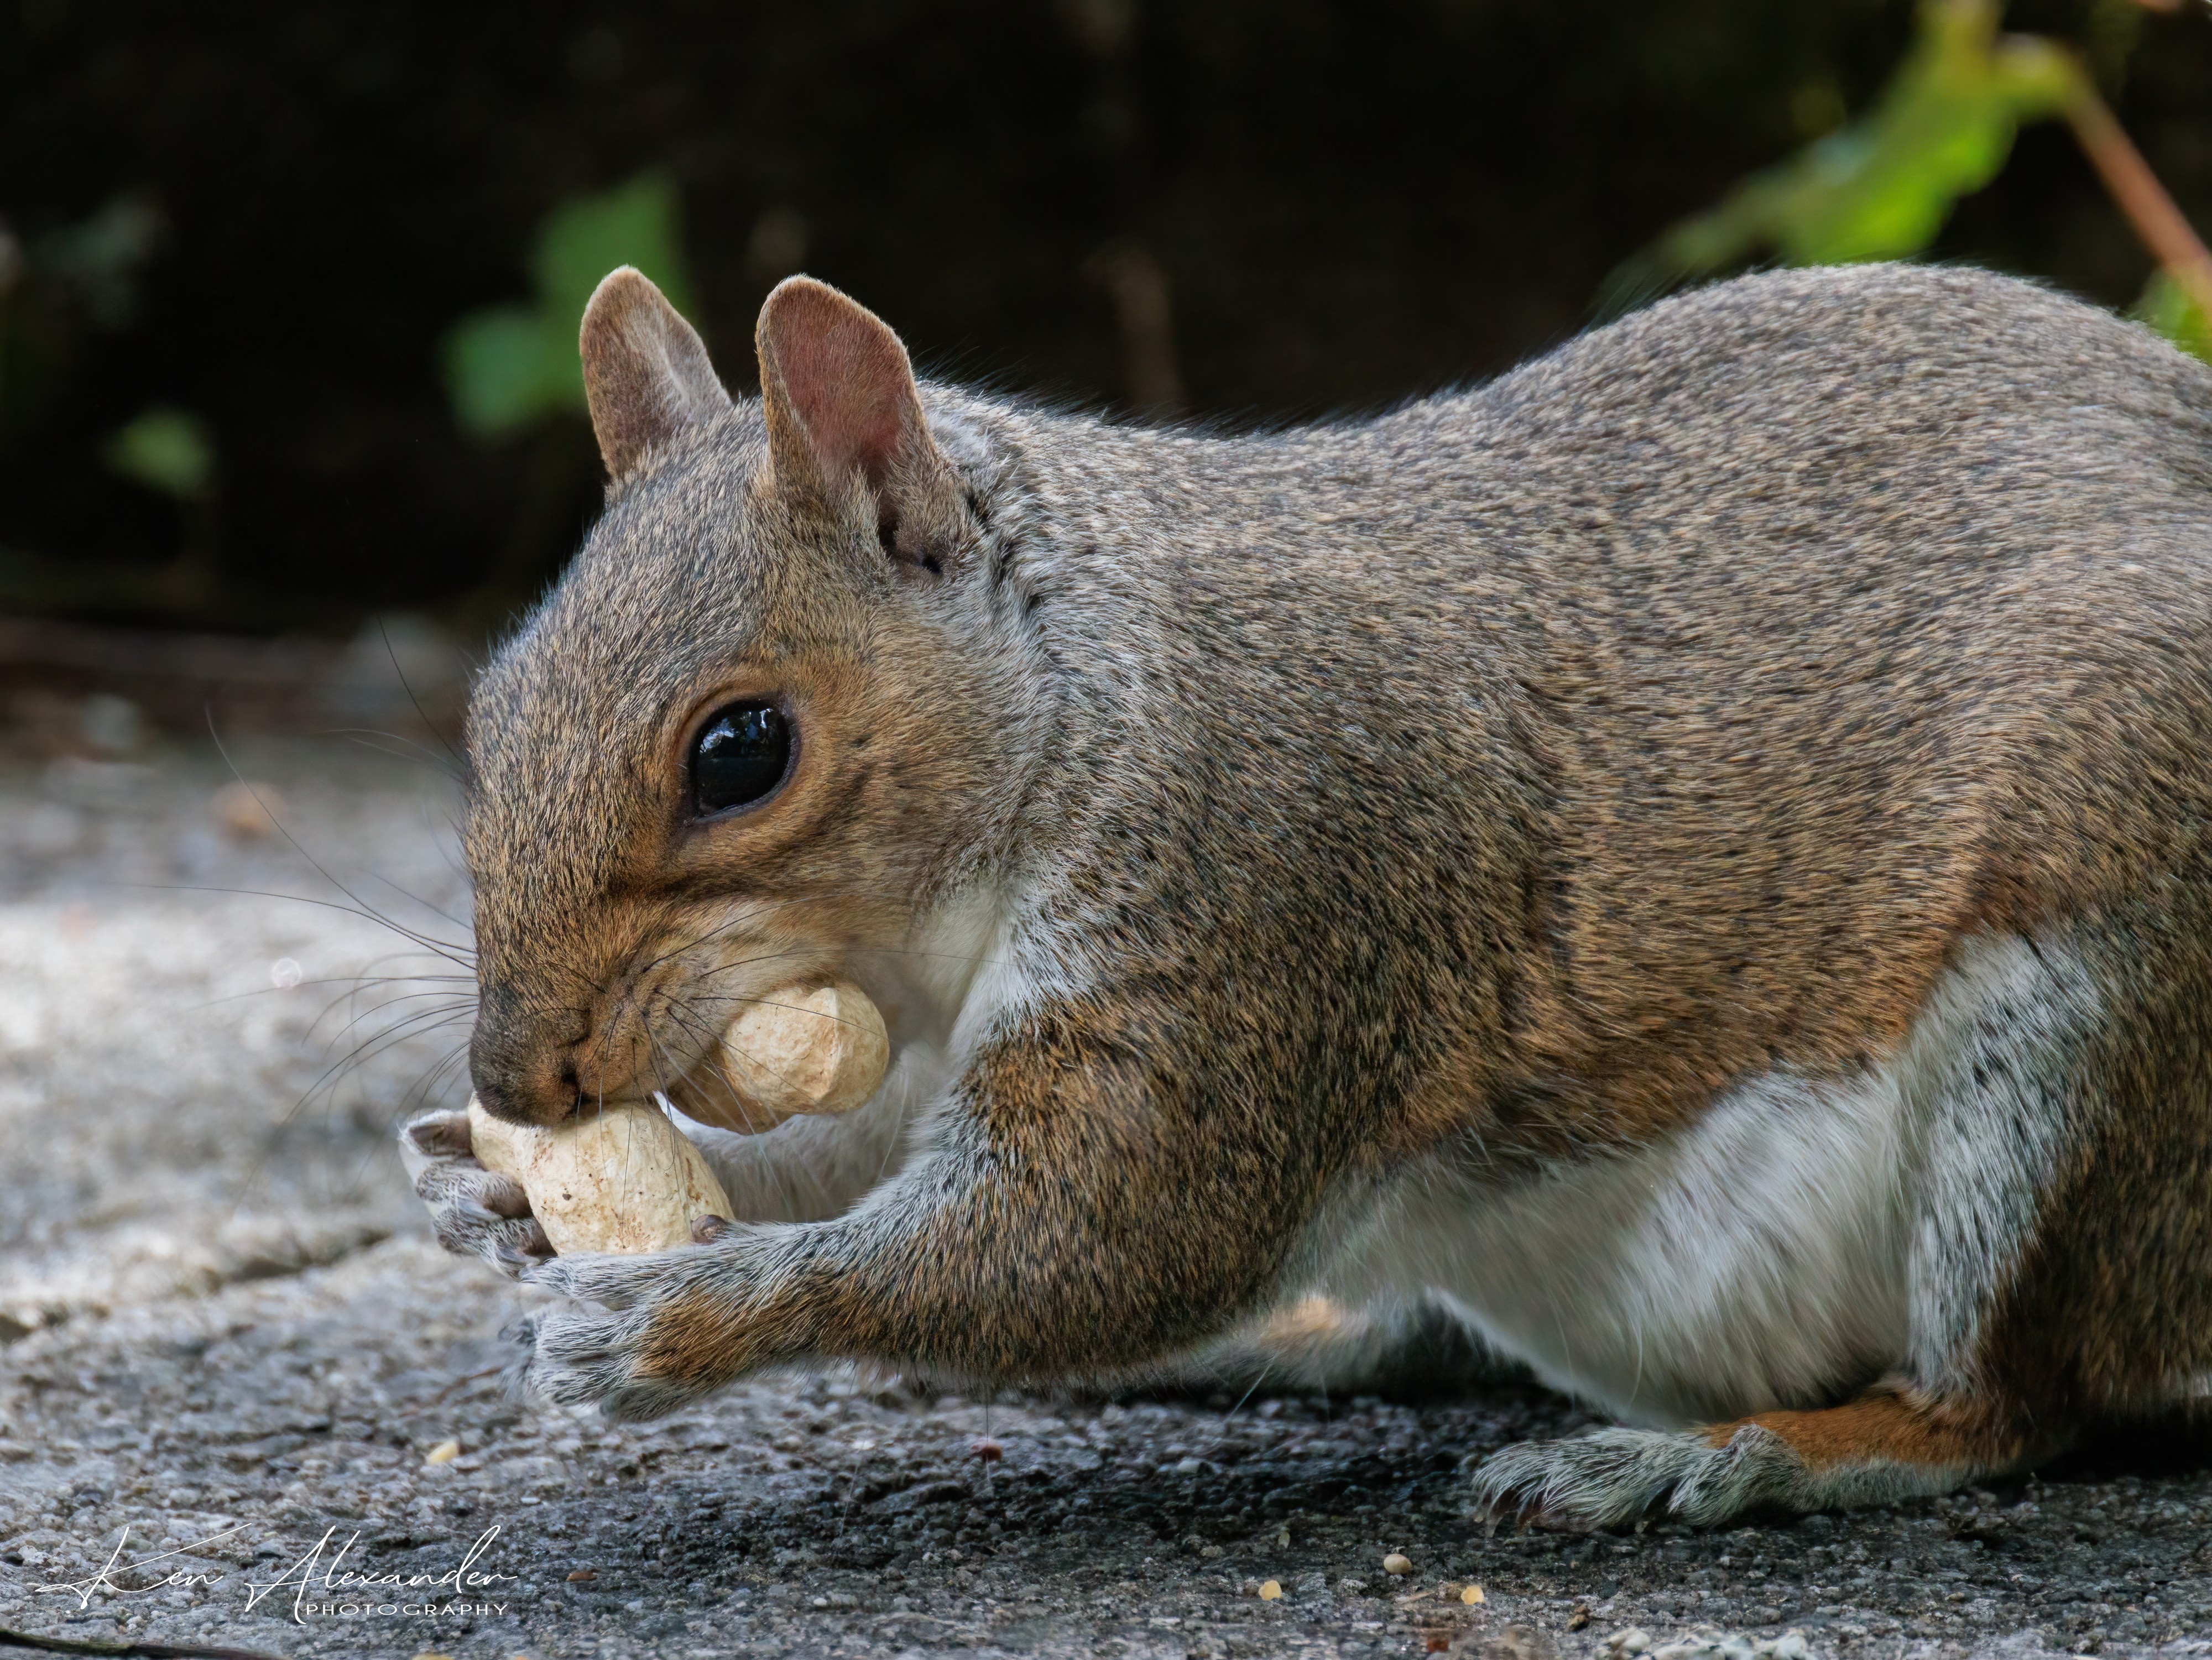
(1930, 1442)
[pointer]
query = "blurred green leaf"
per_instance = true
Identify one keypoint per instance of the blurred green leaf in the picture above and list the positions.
(511, 365)
(1881, 188)
(507, 366)
(166, 450)
(2167, 307)
(583, 241)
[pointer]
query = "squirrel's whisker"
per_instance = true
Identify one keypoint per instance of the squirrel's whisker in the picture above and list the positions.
(447, 948)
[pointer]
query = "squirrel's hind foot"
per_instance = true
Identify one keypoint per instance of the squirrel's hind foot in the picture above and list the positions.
(1612, 1477)
(1888, 1444)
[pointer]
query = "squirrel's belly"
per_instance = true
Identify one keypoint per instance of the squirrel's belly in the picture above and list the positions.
(1758, 1259)
(1799, 1238)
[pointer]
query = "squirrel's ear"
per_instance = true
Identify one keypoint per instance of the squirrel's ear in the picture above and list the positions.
(645, 373)
(840, 399)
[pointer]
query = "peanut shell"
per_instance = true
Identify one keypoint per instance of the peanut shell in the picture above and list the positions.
(799, 1050)
(620, 1178)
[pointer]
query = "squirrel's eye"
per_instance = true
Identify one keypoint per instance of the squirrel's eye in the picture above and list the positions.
(739, 756)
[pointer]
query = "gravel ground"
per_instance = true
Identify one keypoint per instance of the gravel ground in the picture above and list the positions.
(232, 1353)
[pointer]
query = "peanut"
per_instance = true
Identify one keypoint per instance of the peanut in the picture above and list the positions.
(620, 1178)
(797, 1049)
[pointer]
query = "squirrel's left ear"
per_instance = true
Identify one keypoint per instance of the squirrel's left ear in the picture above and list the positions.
(645, 373)
(841, 401)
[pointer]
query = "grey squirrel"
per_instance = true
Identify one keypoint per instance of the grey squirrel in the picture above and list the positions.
(1693, 853)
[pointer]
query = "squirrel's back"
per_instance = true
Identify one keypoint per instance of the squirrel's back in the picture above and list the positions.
(1739, 658)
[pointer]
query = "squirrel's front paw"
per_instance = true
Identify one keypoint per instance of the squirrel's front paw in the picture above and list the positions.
(474, 1212)
(581, 1359)
(672, 1331)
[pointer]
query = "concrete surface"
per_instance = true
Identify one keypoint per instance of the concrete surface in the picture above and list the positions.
(232, 1351)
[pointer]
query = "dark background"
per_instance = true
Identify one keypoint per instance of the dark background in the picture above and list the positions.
(1351, 203)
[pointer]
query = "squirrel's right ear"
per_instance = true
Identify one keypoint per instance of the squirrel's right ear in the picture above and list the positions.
(645, 373)
(843, 407)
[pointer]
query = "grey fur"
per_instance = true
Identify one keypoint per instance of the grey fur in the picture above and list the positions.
(1994, 1077)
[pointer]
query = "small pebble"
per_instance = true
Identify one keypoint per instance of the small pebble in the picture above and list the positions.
(1634, 1639)
(444, 1453)
(1270, 1589)
(1472, 1595)
(1397, 1563)
(578, 1576)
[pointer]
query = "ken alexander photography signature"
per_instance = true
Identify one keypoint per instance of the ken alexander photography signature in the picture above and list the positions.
(318, 1587)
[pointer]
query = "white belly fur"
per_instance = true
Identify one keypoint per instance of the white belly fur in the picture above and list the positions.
(1763, 1257)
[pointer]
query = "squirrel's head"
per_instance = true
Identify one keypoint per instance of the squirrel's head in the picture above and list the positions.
(768, 717)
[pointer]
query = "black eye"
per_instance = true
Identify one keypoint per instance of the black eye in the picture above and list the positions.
(739, 756)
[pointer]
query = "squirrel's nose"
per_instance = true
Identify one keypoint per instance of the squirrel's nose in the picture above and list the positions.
(522, 1070)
